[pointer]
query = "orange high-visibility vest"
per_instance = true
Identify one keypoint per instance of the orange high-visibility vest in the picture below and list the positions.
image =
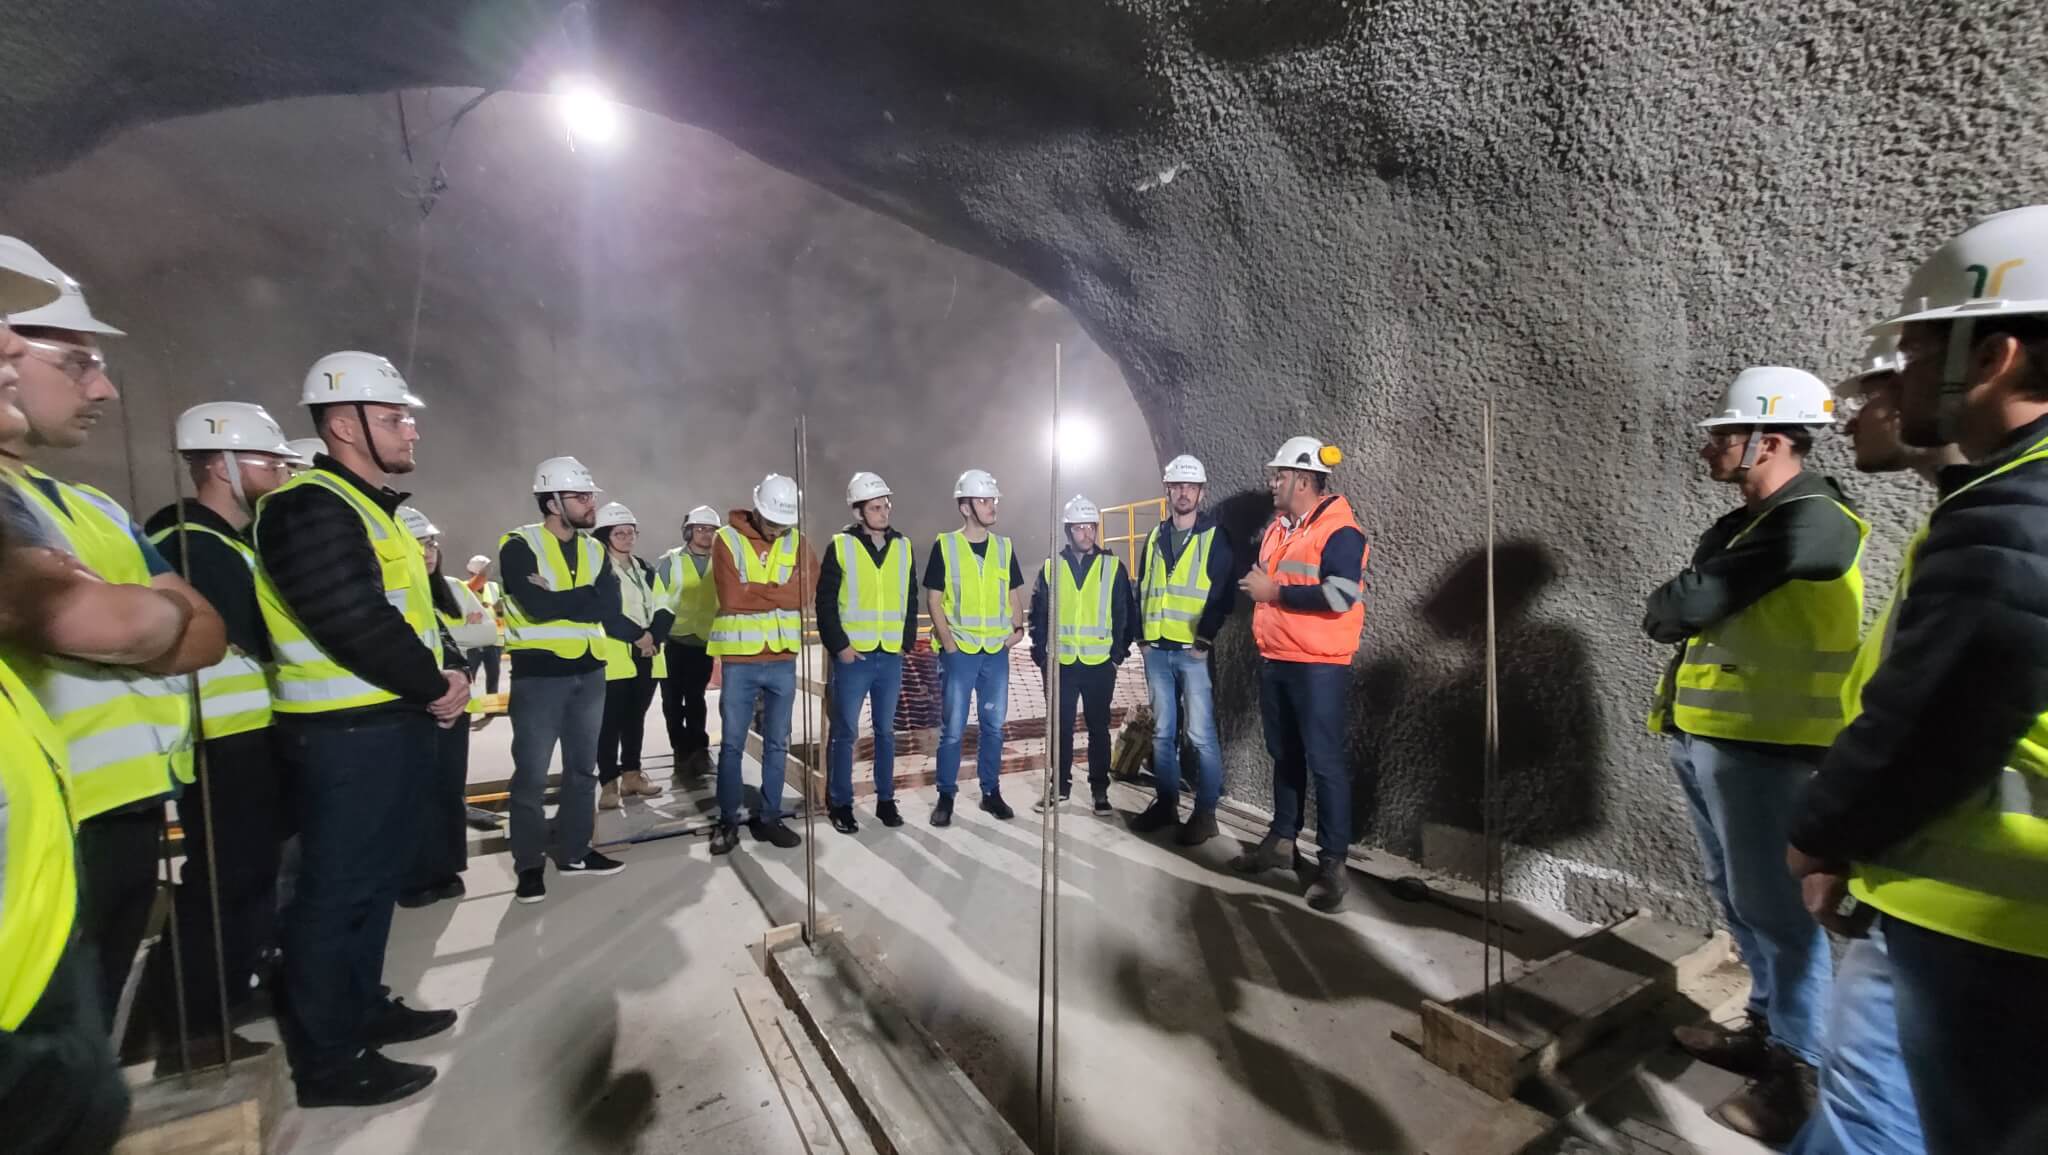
(1293, 556)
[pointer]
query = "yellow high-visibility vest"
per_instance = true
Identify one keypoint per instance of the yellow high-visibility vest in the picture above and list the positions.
(1173, 600)
(688, 593)
(1980, 872)
(639, 602)
(871, 608)
(561, 638)
(776, 631)
(38, 871)
(127, 734)
(1087, 620)
(1773, 672)
(307, 679)
(234, 693)
(977, 594)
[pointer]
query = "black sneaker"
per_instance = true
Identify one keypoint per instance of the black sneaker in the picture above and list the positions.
(775, 833)
(724, 837)
(886, 811)
(1039, 805)
(1161, 814)
(532, 885)
(1272, 853)
(1102, 807)
(1199, 828)
(1326, 893)
(367, 1080)
(590, 865)
(414, 899)
(452, 888)
(842, 820)
(942, 814)
(394, 1022)
(994, 804)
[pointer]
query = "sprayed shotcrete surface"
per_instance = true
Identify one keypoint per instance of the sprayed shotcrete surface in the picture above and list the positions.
(1349, 218)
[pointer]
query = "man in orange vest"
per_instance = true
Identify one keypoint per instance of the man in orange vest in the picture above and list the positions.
(1309, 590)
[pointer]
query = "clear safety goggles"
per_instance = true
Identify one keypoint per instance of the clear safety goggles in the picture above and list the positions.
(77, 362)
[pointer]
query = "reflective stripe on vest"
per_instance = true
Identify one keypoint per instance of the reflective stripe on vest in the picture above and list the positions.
(776, 631)
(1979, 872)
(38, 872)
(689, 594)
(1293, 556)
(871, 596)
(1174, 599)
(564, 639)
(307, 679)
(128, 735)
(1774, 672)
(977, 597)
(234, 693)
(1087, 622)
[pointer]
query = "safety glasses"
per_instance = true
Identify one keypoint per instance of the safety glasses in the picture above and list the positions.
(77, 362)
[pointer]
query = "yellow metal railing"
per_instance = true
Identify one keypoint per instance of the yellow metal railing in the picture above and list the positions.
(1138, 518)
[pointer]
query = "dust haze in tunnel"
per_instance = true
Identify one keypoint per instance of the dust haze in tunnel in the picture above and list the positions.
(662, 309)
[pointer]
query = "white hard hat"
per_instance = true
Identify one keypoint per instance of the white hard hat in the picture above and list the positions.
(303, 448)
(479, 564)
(21, 290)
(563, 475)
(866, 487)
(976, 483)
(1185, 469)
(1080, 511)
(348, 377)
(1306, 453)
(703, 515)
(776, 499)
(68, 311)
(417, 524)
(1996, 267)
(611, 513)
(235, 425)
(1880, 357)
(1774, 395)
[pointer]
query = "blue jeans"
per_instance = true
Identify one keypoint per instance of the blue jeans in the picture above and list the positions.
(1182, 695)
(986, 679)
(1971, 1021)
(877, 676)
(773, 685)
(1302, 704)
(1742, 799)
(1866, 1101)
(565, 710)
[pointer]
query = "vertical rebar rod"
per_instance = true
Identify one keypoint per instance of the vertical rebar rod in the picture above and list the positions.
(814, 737)
(1494, 958)
(1049, 825)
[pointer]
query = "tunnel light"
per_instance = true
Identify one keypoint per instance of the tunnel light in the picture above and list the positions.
(1078, 440)
(588, 114)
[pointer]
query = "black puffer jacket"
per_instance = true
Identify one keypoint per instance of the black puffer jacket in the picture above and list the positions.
(1967, 672)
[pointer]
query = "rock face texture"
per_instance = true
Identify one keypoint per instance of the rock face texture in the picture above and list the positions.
(1356, 219)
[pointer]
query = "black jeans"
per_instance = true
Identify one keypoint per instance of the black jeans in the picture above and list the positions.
(488, 659)
(357, 792)
(60, 1093)
(118, 854)
(1090, 688)
(682, 698)
(625, 721)
(443, 849)
(248, 837)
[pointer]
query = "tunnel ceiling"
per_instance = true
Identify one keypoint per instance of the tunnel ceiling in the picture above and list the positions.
(1355, 218)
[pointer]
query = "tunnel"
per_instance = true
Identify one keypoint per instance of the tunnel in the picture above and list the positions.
(1362, 220)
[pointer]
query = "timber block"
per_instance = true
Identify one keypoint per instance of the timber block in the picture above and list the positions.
(209, 1114)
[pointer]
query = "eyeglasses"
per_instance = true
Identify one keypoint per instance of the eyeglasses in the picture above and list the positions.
(77, 362)
(394, 421)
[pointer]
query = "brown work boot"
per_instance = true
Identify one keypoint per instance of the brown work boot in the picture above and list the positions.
(635, 782)
(608, 798)
(1745, 1050)
(1772, 1108)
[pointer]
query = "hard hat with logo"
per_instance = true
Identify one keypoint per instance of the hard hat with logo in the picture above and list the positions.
(611, 513)
(776, 499)
(976, 483)
(417, 524)
(1997, 267)
(1185, 469)
(563, 475)
(303, 448)
(350, 377)
(703, 515)
(479, 564)
(1080, 511)
(231, 425)
(67, 311)
(1306, 453)
(866, 486)
(1774, 395)
(1880, 358)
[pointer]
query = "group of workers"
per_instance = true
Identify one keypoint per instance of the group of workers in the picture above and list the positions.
(1888, 784)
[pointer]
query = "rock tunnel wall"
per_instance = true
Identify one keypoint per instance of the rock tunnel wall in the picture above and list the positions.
(1355, 219)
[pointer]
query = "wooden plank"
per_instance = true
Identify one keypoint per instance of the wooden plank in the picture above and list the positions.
(763, 1009)
(1509, 1129)
(236, 1129)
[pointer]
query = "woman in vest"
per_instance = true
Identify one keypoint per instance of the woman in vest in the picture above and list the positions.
(631, 669)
